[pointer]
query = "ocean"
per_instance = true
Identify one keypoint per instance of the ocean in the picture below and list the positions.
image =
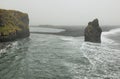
(48, 56)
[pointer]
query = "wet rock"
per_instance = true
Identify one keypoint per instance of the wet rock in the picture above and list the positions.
(93, 32)
(13, 25)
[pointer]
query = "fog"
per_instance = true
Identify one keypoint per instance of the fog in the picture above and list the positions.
(67, 12)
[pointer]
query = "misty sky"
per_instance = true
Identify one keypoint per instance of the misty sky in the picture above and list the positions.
(67, 12)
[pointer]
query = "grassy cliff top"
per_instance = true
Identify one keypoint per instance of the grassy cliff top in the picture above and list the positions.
(12, 21)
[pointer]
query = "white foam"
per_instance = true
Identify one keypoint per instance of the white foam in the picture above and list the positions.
(15, 43)
(107, 40)
(2, 51)
(113, 31)
(67, 38)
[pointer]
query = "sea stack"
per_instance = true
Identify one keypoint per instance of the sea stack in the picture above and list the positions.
(93, 32)
(13, 25)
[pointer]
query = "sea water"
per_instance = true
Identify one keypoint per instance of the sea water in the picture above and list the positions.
(45, 56)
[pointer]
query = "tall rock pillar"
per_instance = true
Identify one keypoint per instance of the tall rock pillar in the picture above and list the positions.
(93, 32)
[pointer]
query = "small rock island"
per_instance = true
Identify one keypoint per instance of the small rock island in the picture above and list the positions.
(13, 25)
(93, 32)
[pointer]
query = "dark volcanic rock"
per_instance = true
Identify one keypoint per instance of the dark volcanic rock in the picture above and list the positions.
(13, 25)
(93, 32)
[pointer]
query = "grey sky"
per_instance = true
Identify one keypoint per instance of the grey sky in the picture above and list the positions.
(67, 12)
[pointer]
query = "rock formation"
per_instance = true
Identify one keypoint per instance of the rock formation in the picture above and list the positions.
(93, 32)
(13, 25)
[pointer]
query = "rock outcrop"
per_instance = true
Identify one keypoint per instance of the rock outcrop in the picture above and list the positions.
(13, 25)
(93, 32)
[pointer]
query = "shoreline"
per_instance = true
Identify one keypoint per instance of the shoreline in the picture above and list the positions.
(74, 31)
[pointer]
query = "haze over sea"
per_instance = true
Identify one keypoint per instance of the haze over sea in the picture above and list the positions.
(59, 51)
(50, 56)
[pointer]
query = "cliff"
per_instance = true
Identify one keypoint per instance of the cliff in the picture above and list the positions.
(93, 32)
(13, 25)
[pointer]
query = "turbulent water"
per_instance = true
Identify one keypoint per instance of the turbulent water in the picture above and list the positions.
(45, 56)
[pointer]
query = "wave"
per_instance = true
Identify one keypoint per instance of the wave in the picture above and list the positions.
(112, 32)
(94, 61)
(67, 38)
(103, 59)
(7, 46)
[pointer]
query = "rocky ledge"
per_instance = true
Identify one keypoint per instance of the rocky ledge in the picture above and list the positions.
(13, 25)
(93, 32)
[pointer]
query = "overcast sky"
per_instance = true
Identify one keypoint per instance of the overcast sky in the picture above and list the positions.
(67, 12)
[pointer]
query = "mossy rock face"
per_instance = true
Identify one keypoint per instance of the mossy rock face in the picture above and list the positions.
(13, 25)
(93, 32)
